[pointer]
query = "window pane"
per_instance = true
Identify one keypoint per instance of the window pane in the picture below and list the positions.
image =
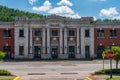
(37, 32)
(71, 33)
(87, 33)
(21, 33)
(54, 32)
(113, 33)
(100, 33)
(7, 33)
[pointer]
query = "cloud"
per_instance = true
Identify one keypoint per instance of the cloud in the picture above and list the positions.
(46, 6)
(65, 2)
(116, 17)
(109, 12)
(32, 1)
(62, 9)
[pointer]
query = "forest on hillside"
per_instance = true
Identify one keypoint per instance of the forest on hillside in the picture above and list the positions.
(9, 14)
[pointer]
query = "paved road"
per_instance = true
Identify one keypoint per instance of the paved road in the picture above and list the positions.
(54, 70)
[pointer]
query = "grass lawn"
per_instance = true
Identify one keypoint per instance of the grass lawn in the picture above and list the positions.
(117, 78)
(6, 78)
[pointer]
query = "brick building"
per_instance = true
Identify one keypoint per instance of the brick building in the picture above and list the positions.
(56, 37)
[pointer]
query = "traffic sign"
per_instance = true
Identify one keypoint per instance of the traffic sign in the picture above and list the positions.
(103, 54)
(111, 55)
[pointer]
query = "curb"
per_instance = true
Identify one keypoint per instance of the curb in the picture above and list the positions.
(17, 78)
(91, 77)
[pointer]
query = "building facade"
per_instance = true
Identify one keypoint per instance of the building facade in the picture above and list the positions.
(56, 37)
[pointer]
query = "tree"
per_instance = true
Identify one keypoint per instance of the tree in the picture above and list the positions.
(116, 50)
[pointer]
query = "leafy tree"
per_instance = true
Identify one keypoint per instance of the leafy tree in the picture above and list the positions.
(9, 14)
(116, 50)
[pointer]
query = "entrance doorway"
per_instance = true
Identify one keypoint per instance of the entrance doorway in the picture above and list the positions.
(87, 52)
(7, 49)
(54, 51)
(100, 49)
(37, 52)
(71, 52)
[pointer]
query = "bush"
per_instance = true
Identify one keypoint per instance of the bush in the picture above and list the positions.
(2, 55)
(107, 71)
(4, 72)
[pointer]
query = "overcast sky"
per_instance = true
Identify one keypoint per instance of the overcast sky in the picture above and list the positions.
(100, 9)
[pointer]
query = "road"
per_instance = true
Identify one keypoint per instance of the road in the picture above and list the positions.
(54, 70)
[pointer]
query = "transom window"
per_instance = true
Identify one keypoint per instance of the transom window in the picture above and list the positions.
(54, 32)
(100, 33)
(113, 33)
(71, 33)
(7, 33)
(37, 33)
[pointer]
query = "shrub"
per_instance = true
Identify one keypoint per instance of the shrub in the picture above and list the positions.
(107, 71)
(4, 72)
(2, 55)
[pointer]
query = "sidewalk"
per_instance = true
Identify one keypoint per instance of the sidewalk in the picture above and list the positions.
(99, 77)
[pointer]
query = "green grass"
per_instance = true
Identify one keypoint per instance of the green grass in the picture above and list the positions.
(6, 78)
(117, 78)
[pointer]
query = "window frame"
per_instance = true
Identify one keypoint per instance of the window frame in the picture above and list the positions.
(87, 34)
(21, 34)
(7, 33)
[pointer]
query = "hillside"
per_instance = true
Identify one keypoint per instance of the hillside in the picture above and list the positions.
(9, 14)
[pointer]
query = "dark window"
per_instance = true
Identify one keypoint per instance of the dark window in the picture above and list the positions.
(71, 33)
(87, 33)
(37, 33)
(54, 32)
(21, 50)
(7, 33)
(113, 33)
(100, 33)
(21, 33)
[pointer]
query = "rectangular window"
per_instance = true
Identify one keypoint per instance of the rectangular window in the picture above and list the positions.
(71, 33)
(87, 33)
(100, 33)
(37, 33)
(7, 33)
(113, 33)
(21, 50)
(21, 33)
(54, 32)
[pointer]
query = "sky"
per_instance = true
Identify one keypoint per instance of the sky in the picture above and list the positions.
(99, 9)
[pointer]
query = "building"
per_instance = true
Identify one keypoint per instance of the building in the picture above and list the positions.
(56, 37)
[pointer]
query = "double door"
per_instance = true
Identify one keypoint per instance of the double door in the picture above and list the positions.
(54, 52)
(37, 52)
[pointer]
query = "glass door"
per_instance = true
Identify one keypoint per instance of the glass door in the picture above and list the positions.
(71, 52)
(54, 51)
(37, 51)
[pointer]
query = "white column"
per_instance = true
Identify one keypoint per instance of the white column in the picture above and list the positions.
(43, 40)
(31, 40)
(48, 40)
(61, 40)
(78, 44)
(65, 40)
